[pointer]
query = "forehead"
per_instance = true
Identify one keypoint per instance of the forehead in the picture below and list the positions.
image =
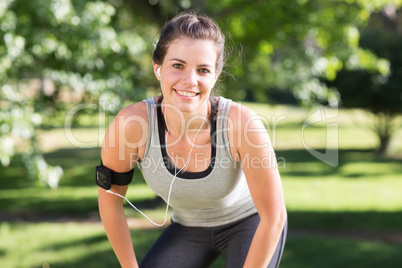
(200, 51)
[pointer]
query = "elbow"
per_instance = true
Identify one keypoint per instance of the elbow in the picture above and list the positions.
(276, 220)
(282, 218)
(283, 215)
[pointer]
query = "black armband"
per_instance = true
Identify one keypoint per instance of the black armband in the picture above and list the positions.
(105, 177)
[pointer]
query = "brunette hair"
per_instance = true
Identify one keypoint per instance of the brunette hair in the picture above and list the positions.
(191, 25)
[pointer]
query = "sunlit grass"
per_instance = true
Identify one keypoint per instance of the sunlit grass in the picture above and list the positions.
(63, 199)
(284, 125)
(361, 194)
(335, 194)
(57, 245)
(309, 250)
(65, 245)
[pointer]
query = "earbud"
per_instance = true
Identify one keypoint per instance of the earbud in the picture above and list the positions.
(158, 71)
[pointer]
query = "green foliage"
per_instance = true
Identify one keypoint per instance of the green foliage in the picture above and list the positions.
(386, 42)
(375, 88)
(55, 54)
(284, 45)
(55, 51)
(287, 45)
(80, 44)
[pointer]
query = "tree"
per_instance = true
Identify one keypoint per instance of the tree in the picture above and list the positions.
(99, 51)
(284, 45)
(368, 89)
(50, 46)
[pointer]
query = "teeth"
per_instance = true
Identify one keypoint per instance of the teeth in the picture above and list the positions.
(187, 94)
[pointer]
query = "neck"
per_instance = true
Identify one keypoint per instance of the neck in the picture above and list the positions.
(177, 121)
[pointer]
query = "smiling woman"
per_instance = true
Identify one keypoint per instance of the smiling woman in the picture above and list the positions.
(188, 75)
(209, 158)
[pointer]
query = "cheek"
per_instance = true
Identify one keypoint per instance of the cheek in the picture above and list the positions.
(168, 80)
(207, 81)
(210, 84)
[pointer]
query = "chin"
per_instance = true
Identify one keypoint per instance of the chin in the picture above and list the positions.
(186, 108)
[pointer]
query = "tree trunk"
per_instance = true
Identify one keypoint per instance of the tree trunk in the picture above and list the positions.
(384, 128)
(384, 142)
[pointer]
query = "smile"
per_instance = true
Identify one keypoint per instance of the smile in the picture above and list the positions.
(186, 93)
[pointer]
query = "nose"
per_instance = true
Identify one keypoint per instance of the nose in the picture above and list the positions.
(190, 78)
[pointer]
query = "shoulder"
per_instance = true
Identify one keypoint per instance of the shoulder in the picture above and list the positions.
(241, 116)
(125, 137)
(134, 114)
(133, 119)
(135, 109)
(244, 129)
(239, 110)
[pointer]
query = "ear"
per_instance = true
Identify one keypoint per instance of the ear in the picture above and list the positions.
(156, 66)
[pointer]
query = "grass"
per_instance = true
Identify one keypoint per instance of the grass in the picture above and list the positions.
(85, 245)
(306, 251)
(343, 216)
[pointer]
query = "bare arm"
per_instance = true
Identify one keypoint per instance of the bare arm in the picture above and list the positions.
(253, 148)
(120, 153)
(115, 223)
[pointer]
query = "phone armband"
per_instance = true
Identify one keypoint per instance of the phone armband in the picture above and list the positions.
(105, 177)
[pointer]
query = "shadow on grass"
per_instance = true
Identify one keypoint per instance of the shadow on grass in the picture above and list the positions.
(33, 208)
(367, 223)
(79, 166)
(87, 241)
(142, 240)
(301, 251)
(310, 251)
(300, 163)
(37, 209)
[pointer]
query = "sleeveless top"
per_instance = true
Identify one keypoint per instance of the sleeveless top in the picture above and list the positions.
(213, 197)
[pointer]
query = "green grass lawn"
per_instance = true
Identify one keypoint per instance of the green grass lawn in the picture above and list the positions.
(343, 216)
(85, 245)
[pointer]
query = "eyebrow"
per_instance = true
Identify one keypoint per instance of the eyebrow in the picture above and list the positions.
(182, 61)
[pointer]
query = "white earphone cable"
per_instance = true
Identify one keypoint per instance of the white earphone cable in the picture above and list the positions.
(175, 174)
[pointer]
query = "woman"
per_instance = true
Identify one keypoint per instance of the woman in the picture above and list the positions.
(209, 158)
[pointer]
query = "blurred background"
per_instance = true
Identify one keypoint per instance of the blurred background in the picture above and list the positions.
(324, 76)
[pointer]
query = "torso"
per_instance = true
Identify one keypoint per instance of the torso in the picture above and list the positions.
(179, 146)
(204, 195)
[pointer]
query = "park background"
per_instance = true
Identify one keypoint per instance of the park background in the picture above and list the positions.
(325, 77)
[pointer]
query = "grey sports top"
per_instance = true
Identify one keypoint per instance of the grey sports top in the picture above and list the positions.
(213, 197)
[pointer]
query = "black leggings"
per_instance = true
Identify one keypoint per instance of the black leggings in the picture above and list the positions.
(198, 247)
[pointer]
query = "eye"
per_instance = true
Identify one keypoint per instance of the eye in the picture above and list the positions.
(204, 71)
(177, 65)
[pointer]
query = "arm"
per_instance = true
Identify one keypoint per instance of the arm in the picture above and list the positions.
(114, 221)
(253, 148)
(120, 150)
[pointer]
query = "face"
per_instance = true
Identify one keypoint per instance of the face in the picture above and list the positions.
(188, 73)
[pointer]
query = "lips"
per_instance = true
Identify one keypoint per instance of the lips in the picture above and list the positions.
(186, 93)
